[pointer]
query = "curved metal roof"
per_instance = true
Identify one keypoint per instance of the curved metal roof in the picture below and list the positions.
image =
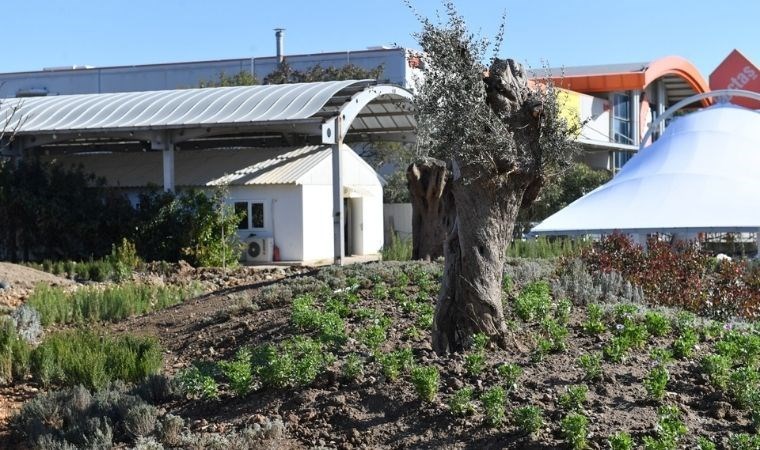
(195, 108)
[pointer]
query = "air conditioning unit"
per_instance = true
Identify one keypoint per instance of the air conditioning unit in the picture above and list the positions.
(258, 249)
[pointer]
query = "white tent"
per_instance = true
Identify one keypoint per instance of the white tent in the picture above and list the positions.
(702, 175)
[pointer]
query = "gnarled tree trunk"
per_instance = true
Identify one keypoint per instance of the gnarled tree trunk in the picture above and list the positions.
(428, 183)
(481, 218)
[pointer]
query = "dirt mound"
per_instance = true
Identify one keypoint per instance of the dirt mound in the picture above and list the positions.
(16, 282)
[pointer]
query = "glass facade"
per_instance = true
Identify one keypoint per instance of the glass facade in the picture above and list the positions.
(622, 131)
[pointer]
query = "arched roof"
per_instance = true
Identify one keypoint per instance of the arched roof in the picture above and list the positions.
(677, 72)
(304, 108)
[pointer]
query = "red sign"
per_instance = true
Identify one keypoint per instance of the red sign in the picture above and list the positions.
(737, 72)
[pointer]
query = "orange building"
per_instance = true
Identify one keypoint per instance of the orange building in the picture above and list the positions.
(619, 101)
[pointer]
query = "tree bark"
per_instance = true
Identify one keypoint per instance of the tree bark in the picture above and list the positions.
(428, 183)
(481, 218)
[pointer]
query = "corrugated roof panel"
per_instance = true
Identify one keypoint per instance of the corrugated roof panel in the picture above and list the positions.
(178, 108)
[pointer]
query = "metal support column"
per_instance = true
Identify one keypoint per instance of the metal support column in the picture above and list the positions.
(662, 104)
(165, 143)
(337, 183)
(636, 117)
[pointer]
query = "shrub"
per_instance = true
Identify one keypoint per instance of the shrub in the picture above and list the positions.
(684, 345)
(591, 365)
(475, 362)
(195, 383)
(621, 441)
(399, 249)
(528, 419)
(372, 336)
(573, 398)
(461, 402)
(656, 323)
(594, 323)
(743, 386)
(170, 429)
(14, 353)
(717, 369)
(705, 444)
(556, 334)
(295, 362)
(123, 259)
(426, 381)
(574, 429)
(353, 367)
(661, 356)
(493, 401)
(562, 313)
(28, 324)
(396, 362)
(140, 420)
(670, 429)
(743, 441)
(82, 357)
(534, 302)
(656, 381)
(510, 375)
(616, 350)
(329, 325)
(112, 303)
(238, 372)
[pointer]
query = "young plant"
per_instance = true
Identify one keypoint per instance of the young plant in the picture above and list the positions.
(656, 323)
(717, 368)
(705, 444)
(743, 386)
(475, 362)
(661, 356)
(574, 429)
(493, 405)
(573, 398)
(543, 347)
(528, 419)
(621, 441)
(510, 374)
(562, 313)
(426, 381)
(195, 384)
(591, 365)
(670, 429)
(594, 323)
(656, 381)
(557, 335)
(744, 441)
(395, 362)
(684, 345)
(616, 350)
(353, 367)
(534, 302)
(238, 372)
(461, 402)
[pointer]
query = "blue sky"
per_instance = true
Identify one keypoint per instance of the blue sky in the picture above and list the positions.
(571, 32)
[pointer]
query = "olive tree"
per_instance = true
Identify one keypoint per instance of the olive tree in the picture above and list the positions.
(500, 138)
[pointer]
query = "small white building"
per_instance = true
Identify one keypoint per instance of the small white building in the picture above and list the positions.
(286, 194)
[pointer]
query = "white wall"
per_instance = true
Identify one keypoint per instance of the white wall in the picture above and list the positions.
(397, 217)
(359, 180)
(283, 219)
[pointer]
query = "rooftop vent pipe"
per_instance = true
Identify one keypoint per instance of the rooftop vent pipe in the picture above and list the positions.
(279, 34)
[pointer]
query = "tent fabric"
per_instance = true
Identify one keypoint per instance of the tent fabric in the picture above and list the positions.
(702, 175)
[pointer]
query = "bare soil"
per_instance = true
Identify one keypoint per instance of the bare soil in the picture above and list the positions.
(374, 412)
(20, 280)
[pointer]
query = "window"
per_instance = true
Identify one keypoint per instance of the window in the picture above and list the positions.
(242, 208)
(621, 119)
(252, 215)
(619, 159)
(257, 215)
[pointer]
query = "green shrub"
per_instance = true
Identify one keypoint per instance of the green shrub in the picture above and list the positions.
(124, 260)
(543, 347)
(557, 334)
(616, 350)
(705, 444)
(717, 369)
(661, 356)
(743, 386)
(396, 362)
(238, 372)
(743, 441)
(594, 323)
(656, 381)
(426, 381)
(574, 429)
(399, 249)
(461, 402)
(528, 419)
(295, 362)
(195, 383)
(14, 353)
(562, 313)
(329, 325)
(634, 334)
(510, 374)
(621, 441)
(353, 367)
(591, 365)
(111, 303)
(573, 398)
(82, 357)
(670, 429)
(534, 302)
(494, 400)
(372, 336)
(684, 345)
(742, 348)
(656, 323)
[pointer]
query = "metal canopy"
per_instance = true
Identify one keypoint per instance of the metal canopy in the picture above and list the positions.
(303, 108)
